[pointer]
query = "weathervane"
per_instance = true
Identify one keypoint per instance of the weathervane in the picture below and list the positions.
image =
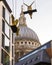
(30, 10)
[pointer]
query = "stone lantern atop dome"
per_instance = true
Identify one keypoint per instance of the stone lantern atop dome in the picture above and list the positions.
(22, 19)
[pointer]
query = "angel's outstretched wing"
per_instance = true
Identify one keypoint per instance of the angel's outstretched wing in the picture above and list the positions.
(25, 4)
(32, 3)
(30, 11)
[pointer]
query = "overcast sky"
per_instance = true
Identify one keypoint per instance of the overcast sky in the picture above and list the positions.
(41, 21)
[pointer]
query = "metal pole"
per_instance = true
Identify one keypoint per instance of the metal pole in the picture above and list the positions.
(51, 52)
(15, 7)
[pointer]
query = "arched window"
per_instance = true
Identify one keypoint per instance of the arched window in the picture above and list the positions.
(25, 42)
(32, 43)
(21, 42)
(29, 42)
(17, 42)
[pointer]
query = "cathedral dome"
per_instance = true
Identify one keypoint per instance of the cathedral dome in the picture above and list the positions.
(27, 33)
(27, 40)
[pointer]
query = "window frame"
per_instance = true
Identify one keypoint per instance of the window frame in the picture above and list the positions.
(3, 12)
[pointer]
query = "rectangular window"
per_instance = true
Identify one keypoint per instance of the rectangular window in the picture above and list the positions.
(2, 57)
(6, 41)
(12, 37)
(2, 40)
(3, 26)
(6, 29)
(7, 48)
(12, 51)
(7, 44)
(7, 16)
(3, 13)
(5, 59)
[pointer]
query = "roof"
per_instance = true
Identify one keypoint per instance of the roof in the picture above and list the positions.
(46, 45)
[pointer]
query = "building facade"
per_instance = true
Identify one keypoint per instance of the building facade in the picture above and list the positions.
(6, 44)
(26, 41)
(40, 56)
